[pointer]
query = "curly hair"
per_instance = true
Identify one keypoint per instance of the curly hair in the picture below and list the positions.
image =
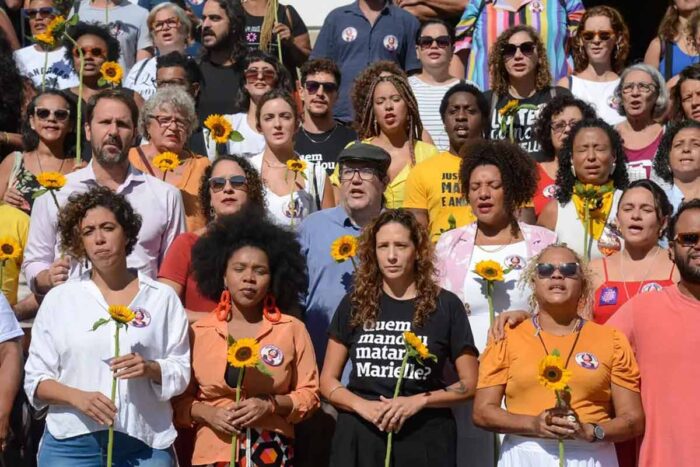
(368, 281)
(662, 162)
(94, 29)
(518, 172)
(363, 82)
(12, 89)
(585, 301)
(662, 94)
(622, 38)
(177, 99)
(543, 125)
(30, 138)
(246, 228)
(72, 214)
(691, 72)
(320, 65)
(256, 192)
(565, 174)
(283, 83)
(236, 32)
(669, 28)
(497, 62)
(481, 101)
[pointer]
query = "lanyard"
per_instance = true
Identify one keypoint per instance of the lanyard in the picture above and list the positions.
(579, 326)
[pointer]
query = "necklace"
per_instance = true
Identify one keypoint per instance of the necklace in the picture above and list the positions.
(641, 283)
(38, 160)
(273, 166)
(577, 328)
(495, 250)
(308, 135)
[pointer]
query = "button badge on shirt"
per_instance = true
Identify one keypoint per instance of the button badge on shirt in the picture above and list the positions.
(391, 43)
(349, 34)
(587, 360)
(142, 318)
(272, 355)
(651, 287)
(514, 262)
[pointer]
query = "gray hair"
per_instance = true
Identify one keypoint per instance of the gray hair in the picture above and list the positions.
(175, 97)
(662, 99)
(179, 12)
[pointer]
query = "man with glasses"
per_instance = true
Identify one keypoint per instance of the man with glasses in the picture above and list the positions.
(363, 179)
(321, 137)
(32, 59)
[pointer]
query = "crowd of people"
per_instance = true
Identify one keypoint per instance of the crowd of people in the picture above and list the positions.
(442, 233)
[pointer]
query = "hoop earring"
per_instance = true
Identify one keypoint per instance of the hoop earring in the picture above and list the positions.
(573, 170)
(223, 308)
(270, 310)
(612, 169)
(375, 127)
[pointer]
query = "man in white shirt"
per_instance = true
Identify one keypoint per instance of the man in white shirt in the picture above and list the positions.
(110, 125)
(10, 365)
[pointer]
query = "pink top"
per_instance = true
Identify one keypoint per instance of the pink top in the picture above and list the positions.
(644, 157)
(662, 329)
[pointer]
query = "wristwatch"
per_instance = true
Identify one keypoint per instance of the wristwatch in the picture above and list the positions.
(598, 433)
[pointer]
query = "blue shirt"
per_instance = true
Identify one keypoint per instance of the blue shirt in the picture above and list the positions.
(328, 281)
(353, 43)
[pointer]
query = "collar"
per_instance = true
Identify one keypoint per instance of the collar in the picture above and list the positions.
(340, 215)
(144, 281)
(133, 176)
(354, 7)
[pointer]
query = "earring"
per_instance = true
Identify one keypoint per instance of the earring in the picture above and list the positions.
(223, 308)
(573, 170)
(612, 169)
(270, 310)
(375, 127)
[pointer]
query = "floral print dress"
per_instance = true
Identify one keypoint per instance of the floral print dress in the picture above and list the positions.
(25, 182)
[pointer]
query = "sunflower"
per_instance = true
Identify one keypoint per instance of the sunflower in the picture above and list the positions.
(552, 374)
(51, 180)
(414, 342)
(121, 314)
(489, 270)
(45, 38)
(343, 248)
(506, 109)
(9, 249)
(112, 72)
(166, 161)
(296, 165)
(244, 353)
(219, 127)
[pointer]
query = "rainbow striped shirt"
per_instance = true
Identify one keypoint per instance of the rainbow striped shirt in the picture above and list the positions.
(555, 20)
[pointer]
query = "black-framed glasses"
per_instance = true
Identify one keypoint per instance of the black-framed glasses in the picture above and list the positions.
(545, 270)
(687, 239)
(165, 121)
(166, 24)
(46, 12)
(268, 75)
(561, 125)
(526, 48)
(348, 173)
(61, 115)
(425, 42)
(313, 86)
(237, 182)
(644, 88)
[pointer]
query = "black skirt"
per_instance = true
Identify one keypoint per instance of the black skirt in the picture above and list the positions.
(428, 439)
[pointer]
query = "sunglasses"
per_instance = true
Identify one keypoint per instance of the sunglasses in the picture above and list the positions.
(688, 239)
(238, 182)
(313, 87)
(96, 52)
(60, 115)
(268, 75)
(44, 11)
(545, 270)
(526, 48)
(603, 35)
(425, 42)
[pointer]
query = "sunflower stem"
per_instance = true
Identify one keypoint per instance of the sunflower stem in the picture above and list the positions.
(586, 233)
(43, 71)
(354, 266)
(79, 116)
(54, 199)
(110, 436)
(2, 274)
(279, 41)
(560, 402)
(489, 298)
(390, 439)
(234, 439)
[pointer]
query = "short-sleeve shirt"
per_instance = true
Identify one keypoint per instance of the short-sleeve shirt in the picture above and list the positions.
(348, 39)
(323, 148)
(219, 89)
(602, 357)
(376, 351)
(9, 327)
(59, 72)
(15, 225)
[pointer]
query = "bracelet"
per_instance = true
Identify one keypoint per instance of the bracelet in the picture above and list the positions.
(330, 394)
(272, 399)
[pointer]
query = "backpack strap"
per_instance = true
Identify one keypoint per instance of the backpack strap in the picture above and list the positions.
(144, 159)
(143, 65)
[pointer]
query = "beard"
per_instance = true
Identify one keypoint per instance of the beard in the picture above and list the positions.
(220, 43)
(109, 158)
(688, 272)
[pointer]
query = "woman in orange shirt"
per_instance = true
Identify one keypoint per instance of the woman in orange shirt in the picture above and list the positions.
(604, 404)
(256, 269)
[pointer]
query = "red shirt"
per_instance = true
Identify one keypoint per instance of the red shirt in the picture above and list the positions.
(546, 190)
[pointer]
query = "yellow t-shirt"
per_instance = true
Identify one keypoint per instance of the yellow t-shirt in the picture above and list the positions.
(15, 225)
(434, 185)
(395, 190)
(602, 357)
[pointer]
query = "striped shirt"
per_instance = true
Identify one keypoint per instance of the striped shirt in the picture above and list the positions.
(556, 20)
(429, 97)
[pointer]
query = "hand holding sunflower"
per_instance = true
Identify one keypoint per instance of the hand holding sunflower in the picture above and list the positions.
(554, 375)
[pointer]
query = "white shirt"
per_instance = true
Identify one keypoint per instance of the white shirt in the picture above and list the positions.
(429, 97)
(158, 203)
(601, 95)
(253, 142)
(59, 72)
(9, 327)
(142, 78)
(65, 349)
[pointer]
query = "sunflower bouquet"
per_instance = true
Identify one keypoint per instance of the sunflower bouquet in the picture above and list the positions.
(243, 353)
(50, 181)
(416, 349)
(297, 167)
(166, 162)
(491, 272)
(344, 248)
(220, 130)
(111, 74)
(122, 317)
(10, 250)
(553, 375)
(508, 113)
(593, 210)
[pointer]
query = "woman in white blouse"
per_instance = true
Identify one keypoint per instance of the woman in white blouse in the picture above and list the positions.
(70, 365)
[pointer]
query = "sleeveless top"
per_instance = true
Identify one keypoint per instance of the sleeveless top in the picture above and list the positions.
(23, 180)
(546, 190)
(570, 230)
(601, 95)
(674, 60)
(611, 295)
(639, 161)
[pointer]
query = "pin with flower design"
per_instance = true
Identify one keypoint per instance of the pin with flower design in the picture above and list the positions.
(416, 349)
(491, 272)
(344, 248)
(296, 167)
(166, 162)
(221, 131)
(111, 74)
(122, 317)
(50, 181)
(10, 250)
(553, 375)
(508, 113)
(242, 354)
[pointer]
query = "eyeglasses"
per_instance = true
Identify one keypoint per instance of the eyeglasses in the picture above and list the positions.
(545, 270)
(560, 125)
(169, 23)
(526, 48)
(46, 11)
(687, 239)
(366, 173)
(172, 82)
(237, 182)
(268, 75)
(60, 115)
(96, 52)
(644, 88)
(425, 42)
(165, 122)
(604, 35)
(313, 86)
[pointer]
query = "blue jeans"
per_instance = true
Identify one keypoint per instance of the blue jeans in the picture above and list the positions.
(90, 450)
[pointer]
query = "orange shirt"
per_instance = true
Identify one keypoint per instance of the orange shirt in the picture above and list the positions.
(602, 357)
(190, 180)
(294, 373)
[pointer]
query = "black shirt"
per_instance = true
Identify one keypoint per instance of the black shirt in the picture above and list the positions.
(219, 90)
(324, 148)
(376, 351)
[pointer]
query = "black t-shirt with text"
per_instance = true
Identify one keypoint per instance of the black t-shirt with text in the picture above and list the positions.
(376, 351)
(219, 90)
(324, 148)
(525, 121)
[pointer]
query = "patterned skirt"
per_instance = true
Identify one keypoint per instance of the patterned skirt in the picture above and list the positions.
(263, 449)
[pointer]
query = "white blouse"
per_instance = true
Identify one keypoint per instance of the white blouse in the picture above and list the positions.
(65, 349)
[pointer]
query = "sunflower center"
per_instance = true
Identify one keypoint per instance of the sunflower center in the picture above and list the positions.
(7, 248)
(218, 130)
(552, 374)
(244, 353)
(344, 249)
